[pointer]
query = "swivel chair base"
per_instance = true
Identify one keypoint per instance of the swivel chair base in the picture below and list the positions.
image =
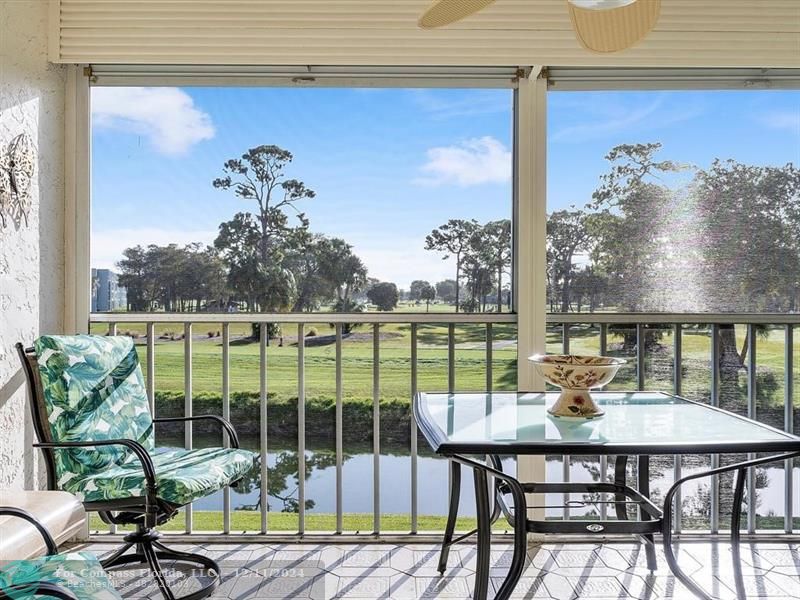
(150, 551)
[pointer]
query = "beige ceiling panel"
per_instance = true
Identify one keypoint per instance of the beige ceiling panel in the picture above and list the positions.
(690, 33)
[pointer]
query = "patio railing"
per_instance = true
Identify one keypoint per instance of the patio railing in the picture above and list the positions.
(565, 328)
(300, 321)
(677, 324)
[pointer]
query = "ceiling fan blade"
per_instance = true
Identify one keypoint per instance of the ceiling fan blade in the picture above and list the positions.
(613, 29)
(445, 12)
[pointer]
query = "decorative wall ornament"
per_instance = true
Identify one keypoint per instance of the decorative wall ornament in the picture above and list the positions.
(17, 163)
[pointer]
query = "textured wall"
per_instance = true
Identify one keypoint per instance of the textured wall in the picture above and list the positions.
(31, 262)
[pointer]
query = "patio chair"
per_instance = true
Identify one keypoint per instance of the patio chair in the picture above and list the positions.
(70, 576)
(93, 422)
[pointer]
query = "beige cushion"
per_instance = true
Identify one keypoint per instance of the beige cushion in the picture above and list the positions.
(60, 513)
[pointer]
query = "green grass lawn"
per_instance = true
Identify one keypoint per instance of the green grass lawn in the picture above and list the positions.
(395, 363)
(320, 522)
(320, 360)
(356, 522)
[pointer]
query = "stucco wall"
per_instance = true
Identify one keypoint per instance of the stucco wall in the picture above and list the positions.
(31, 262)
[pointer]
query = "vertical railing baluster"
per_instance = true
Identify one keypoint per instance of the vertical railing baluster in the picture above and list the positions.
(603, 458)
(714, 525)
(263, 339)
(451, 358)
(112, 330)
(226, 414)
(301, 428)
(751, 413)
(565, 460)
(603, 338)
(489, 358)
(376, 428)
(339, 449)
(187, 402)
(641, 343)
(150, 381)
(414, 434)
(451, 381)
(788, 425)
(677, 387)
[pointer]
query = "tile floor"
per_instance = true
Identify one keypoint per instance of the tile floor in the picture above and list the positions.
(561, 571)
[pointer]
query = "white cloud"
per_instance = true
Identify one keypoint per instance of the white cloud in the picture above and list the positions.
(107, 245)
(167, 117)
(472, 162)
(473, 103)
(614, 115)
(786, 119)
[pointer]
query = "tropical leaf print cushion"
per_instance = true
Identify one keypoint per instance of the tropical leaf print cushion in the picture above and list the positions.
(181, 475)
(93, 390)
(78, 572)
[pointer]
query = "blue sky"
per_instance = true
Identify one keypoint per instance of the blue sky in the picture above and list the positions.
(389, 165)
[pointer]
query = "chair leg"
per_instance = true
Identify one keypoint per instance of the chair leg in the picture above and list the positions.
(111, 561)
(158, 574)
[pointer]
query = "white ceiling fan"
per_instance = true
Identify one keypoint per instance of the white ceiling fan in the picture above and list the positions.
(600, 25)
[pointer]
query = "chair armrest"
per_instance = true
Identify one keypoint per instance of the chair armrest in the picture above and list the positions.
(49, 542)
(226, 425)
(50, 590)
(139, 450)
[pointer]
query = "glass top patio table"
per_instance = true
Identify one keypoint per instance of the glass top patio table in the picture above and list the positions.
(634, 423)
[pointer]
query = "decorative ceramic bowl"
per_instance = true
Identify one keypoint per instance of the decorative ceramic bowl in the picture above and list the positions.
(576, 375)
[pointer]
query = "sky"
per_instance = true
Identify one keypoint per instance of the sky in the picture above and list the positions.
(389, 165)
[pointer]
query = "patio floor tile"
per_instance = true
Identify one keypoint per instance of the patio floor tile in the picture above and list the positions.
(553, 571)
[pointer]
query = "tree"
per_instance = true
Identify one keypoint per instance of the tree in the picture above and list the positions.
(418, 287)
(172, 277)
(636, 208)
(453, 239)
(496, 237)
(428, 295)
(259, 176)
(588, 287)
(263, 285)
(568, 234)
(135, 278)
(446, 290)
(746, 228)
(383, 295)
(343, 270)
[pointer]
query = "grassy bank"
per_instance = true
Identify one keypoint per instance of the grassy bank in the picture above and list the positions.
(278, 521)
(246, 521)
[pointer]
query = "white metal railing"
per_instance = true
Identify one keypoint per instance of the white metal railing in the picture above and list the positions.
(375, 320)
(566, 321)
(713, 320)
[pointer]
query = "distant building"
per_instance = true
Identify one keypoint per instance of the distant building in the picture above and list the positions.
(107, 294)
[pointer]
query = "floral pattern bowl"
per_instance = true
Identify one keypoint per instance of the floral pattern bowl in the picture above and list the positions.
(576, 375)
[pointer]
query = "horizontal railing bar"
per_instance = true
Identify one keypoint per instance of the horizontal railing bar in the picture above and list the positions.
(375, 317)
(672, 318)
(762, 536)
